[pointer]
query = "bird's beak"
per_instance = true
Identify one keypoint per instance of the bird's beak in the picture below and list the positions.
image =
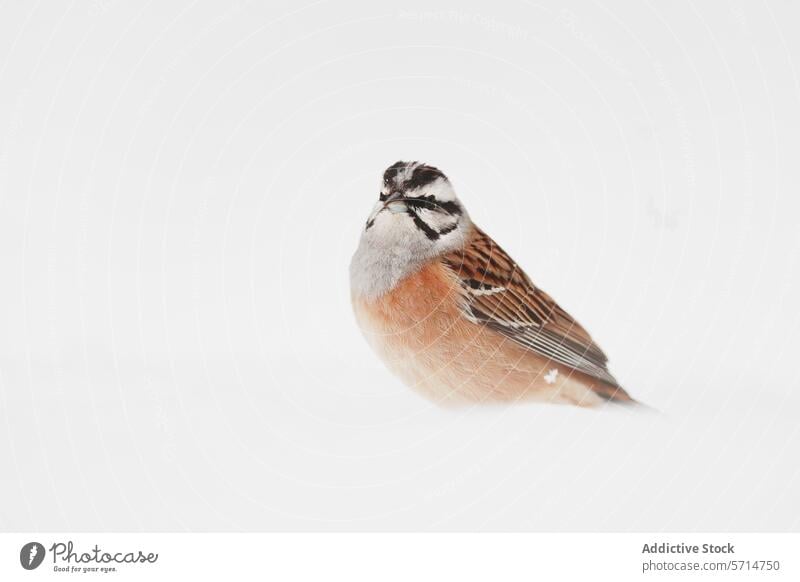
(395, 203)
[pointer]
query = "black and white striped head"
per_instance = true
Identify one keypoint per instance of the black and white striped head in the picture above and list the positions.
(417, 217)
(417, 201)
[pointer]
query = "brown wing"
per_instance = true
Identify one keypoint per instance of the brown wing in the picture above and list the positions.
(499, 294)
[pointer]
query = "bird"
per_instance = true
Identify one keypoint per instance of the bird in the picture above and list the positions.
(454, 317)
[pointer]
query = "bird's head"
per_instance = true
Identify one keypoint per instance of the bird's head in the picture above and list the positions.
(417, 208)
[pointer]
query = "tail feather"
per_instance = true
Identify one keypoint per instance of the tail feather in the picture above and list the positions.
(615, 394)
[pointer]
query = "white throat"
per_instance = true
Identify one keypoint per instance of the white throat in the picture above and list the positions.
(383, 259)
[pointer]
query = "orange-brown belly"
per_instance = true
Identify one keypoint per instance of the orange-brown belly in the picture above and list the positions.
(418, 330)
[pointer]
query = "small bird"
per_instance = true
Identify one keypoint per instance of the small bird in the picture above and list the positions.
(453, 316)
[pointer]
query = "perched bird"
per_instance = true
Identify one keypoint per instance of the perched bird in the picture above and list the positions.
(453, 315)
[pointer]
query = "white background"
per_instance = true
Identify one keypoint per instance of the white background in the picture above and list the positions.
(182, 185)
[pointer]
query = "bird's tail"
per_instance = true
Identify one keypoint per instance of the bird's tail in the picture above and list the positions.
(613, 393)
(617, 395)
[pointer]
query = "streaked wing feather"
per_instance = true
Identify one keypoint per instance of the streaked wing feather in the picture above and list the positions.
(497, 293)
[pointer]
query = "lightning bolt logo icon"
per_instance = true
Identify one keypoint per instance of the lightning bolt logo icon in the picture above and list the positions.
(31, 555)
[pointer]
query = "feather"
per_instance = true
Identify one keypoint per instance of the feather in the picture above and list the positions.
(496, 293)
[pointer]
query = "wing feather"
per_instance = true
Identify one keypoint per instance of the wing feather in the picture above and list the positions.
(498, 294)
